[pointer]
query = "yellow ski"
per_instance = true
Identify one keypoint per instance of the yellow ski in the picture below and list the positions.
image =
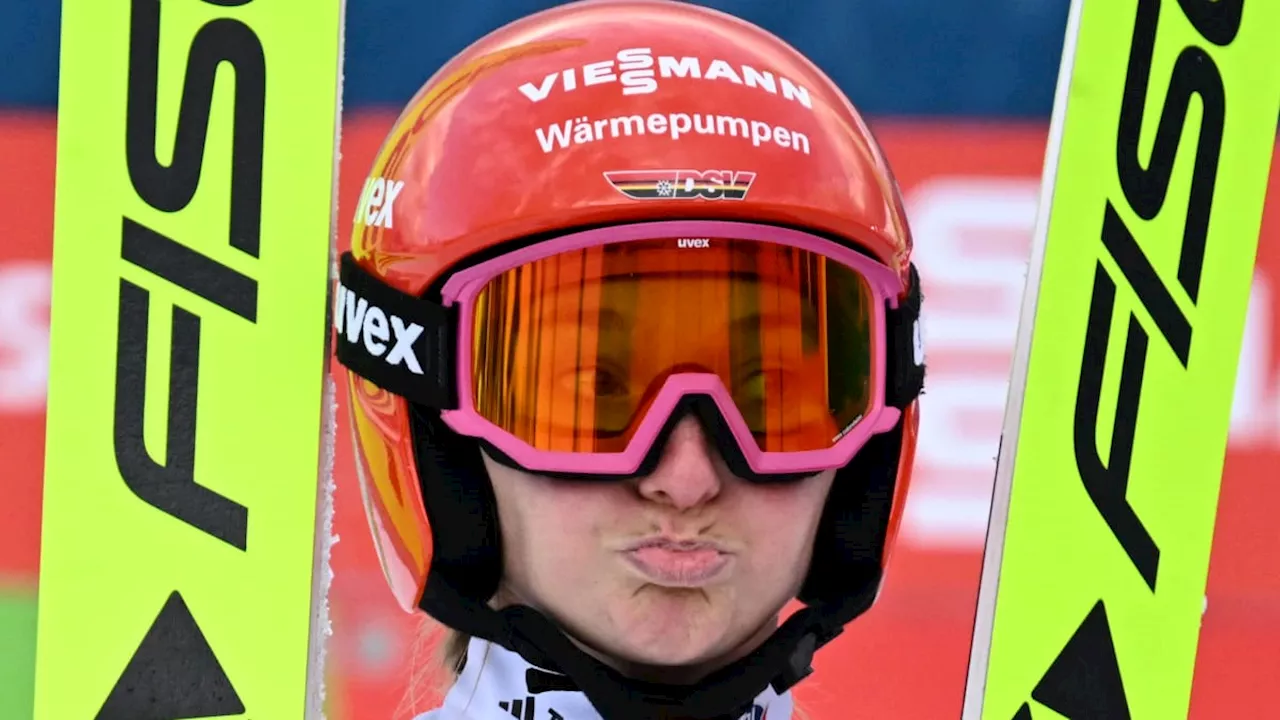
(1115, 432)
(196, 176)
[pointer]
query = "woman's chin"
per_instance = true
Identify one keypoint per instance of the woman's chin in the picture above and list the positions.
(672, 638)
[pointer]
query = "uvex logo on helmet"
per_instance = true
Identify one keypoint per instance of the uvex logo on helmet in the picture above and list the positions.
(682, 184)
(383, 334)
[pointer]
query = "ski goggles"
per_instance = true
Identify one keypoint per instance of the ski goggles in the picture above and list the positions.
(575, 356)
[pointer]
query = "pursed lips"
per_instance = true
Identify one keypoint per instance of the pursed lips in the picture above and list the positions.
(678, 563)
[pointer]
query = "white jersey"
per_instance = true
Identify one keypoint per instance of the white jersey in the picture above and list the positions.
(492, 686)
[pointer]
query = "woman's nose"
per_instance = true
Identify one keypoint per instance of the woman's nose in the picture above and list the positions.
(687, 475)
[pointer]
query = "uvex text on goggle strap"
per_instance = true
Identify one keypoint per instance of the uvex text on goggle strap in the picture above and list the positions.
(575, 356)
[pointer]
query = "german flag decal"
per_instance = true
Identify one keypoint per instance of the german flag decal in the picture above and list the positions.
(682, 184)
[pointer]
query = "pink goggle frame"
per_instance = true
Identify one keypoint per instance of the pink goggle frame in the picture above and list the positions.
(464, 286)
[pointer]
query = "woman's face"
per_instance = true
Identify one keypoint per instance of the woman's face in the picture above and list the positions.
(686, 568)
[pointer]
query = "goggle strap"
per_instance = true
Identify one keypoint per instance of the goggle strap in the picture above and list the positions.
(905, 367)
(402, 343)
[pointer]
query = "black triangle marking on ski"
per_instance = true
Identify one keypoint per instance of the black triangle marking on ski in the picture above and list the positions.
(1024, 712)
(1084, 680)
(173, 675)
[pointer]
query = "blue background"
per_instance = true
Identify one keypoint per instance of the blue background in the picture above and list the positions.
(970, 58)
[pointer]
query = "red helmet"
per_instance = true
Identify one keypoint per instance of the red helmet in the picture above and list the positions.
(512, 142)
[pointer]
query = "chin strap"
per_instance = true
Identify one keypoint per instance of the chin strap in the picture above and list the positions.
(782, 661)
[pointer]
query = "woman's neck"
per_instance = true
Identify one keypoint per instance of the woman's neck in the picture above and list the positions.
(685, 674)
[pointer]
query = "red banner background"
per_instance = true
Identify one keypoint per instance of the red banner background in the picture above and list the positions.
(971, 192)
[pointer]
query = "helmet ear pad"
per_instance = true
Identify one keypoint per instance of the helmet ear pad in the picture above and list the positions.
(461, 507)
(849, 548)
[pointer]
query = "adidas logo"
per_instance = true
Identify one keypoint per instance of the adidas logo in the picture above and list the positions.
(527, 709)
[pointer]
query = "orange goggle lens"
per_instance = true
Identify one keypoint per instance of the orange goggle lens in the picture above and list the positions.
(569, 351)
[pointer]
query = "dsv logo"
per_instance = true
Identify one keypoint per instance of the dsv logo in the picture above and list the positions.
(170, 486)
(682, 184)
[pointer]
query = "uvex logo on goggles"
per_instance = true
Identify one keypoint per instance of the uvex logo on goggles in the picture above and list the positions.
(358, 321)
(398, 342)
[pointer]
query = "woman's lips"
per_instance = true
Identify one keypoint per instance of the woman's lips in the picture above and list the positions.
(673, 563)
